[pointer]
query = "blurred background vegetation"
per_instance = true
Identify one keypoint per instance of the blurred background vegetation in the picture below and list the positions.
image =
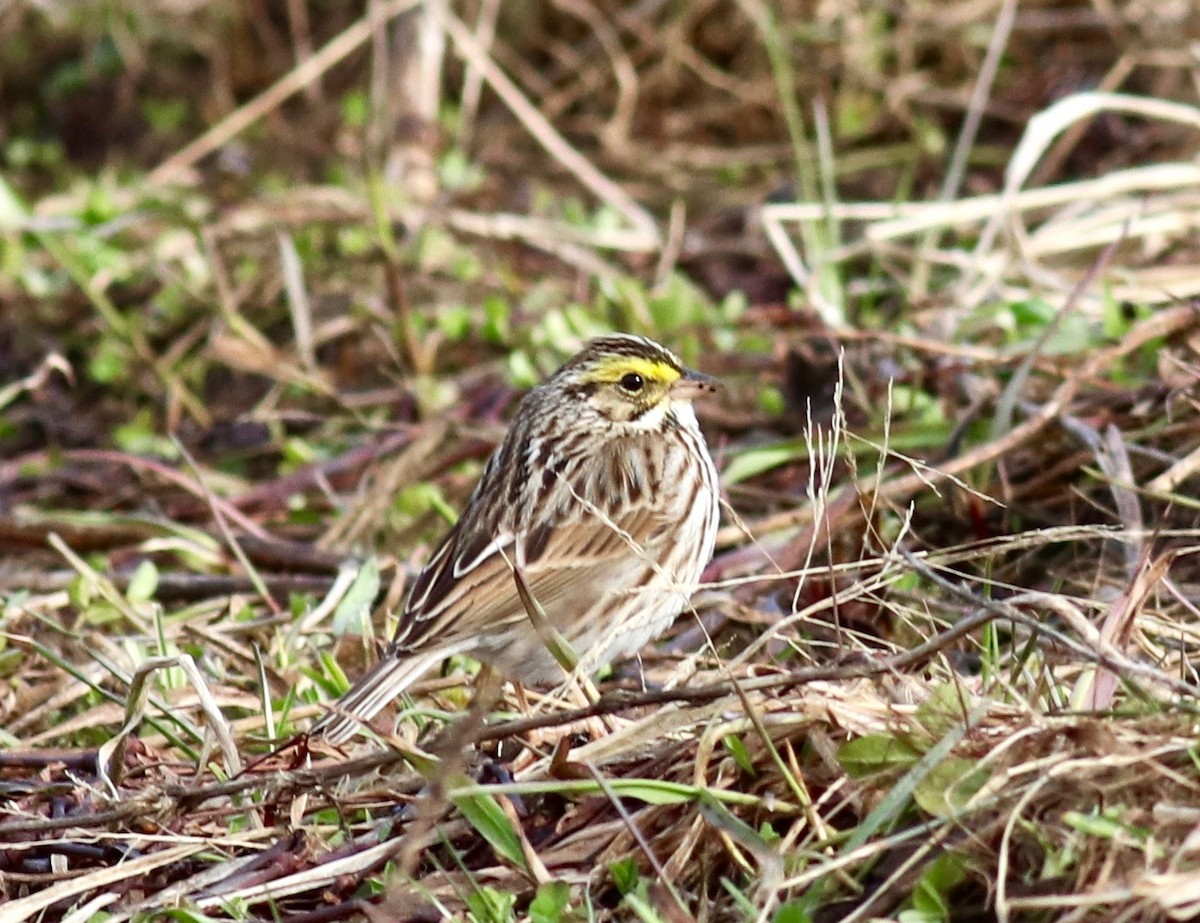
(274, 272)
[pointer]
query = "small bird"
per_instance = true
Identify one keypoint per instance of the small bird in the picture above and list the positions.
(601, 505)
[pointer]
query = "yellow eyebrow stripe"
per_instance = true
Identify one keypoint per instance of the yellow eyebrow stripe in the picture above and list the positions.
(613, 368)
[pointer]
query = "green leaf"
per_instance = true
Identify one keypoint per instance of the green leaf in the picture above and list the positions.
(458, 173)
(943, 709)
(331, 677)
(12, 210)
(143, 583)
(791, 912)
(745, 906)
(721, 818)
(876, 753)
(454, 321)
(651, 791)
(166, 115)
(931, 895)
(678, 304)
(949, 786)
(356, 109)
(521, 370)
(488, 905)
(639, 903)
(624, 875)
(1108, 824)
(108, 362)
(771, 401)
(740, 754)
(496, 325)
(490, 822)
(550, 902)
(139, 436)
(752, 462)
(353, 613)
(913, 915)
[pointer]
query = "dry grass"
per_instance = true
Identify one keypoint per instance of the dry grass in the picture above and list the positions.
(256, 345)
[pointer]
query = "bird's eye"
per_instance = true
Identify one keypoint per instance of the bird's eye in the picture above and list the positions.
(632, 382)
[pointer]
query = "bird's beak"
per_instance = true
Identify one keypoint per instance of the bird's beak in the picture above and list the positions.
(693, 385)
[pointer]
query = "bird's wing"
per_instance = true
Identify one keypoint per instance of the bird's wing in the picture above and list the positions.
(468, 588)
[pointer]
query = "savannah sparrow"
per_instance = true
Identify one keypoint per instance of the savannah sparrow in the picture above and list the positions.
(601, 502)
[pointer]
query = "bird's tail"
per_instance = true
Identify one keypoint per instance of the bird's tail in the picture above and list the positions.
(367, 697)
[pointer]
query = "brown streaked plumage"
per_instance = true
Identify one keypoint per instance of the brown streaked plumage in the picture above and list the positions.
(602, 496)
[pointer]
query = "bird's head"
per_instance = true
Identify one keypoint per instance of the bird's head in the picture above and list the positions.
(631, 380)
